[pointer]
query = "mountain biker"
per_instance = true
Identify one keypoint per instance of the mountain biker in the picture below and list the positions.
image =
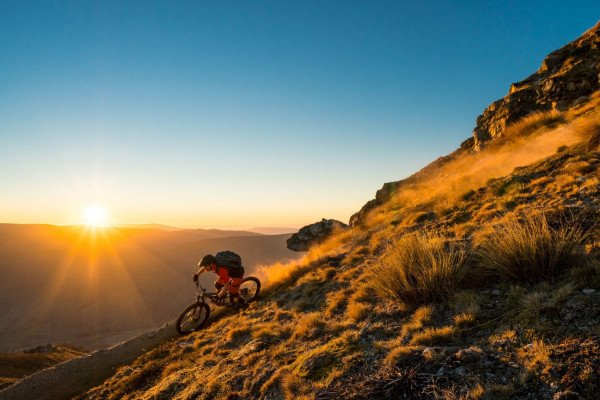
(227, 265)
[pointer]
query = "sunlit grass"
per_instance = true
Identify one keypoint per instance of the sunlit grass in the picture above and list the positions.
(420, 267)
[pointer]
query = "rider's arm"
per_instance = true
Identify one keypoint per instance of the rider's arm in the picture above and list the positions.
(200, 272)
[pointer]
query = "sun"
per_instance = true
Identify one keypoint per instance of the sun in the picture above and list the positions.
(95, 216)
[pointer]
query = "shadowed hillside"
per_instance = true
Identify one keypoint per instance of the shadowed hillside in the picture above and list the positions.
(97, 287)
(15, 366)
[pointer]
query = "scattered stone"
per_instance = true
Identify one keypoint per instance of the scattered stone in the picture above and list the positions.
(496, 292)
(459, 371)
(468, 356)
(428, 352)
(588, 291)
(514, 365)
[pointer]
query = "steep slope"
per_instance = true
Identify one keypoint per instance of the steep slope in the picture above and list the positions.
(326, 329)
(478, 277)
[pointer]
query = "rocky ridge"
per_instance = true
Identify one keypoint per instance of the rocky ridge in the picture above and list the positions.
(566, 75)
(565, 78)
(312, 234)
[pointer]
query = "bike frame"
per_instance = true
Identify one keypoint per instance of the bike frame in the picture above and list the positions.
(201, 296)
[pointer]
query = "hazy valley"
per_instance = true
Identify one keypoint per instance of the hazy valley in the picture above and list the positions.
(96, 287)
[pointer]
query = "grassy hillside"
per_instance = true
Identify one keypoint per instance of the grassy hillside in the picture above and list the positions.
(480, 278)
(98, 287)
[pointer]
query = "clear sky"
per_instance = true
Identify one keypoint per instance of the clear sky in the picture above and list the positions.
(248, 113)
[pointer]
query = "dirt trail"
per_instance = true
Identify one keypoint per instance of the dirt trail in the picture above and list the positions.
(77, 375)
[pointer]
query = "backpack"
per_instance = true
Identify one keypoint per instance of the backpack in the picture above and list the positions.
(230, 261)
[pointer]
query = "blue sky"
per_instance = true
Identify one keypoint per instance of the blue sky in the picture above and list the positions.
(246, 113)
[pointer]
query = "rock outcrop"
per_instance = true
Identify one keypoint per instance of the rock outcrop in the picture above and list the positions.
(310, 235)
(385, 193)
(566, 75)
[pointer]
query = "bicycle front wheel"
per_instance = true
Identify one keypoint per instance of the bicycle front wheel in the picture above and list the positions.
(249, 289)
(192, 319)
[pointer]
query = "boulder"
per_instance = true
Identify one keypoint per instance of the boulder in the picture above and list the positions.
(310, 235)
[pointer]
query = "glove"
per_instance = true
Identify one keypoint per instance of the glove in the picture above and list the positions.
(195, 277)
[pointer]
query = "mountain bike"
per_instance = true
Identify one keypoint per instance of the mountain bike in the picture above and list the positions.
(195, 316)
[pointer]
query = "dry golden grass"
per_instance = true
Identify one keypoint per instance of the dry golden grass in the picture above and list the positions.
(421, 317)
(237, 334)
(579, 168)
(533, 123)
(532, 250)
(402, 355)
(358, 311)
(464, 319)
(535, 356)
(588, 129)
(336, 304)
(433, 336)
(420, 267)
(309, 325)
(269, 330)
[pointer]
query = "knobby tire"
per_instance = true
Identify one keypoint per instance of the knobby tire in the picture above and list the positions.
(252, 285)
(192, 319)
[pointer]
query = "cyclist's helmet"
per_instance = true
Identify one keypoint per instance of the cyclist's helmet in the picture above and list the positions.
(207, 260)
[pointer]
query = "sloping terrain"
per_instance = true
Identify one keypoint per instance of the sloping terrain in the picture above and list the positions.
(15, 366)
(478, 277)
(95, 288)
(323, 331)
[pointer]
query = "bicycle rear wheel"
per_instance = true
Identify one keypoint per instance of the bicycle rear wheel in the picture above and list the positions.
(249, 289)
(192, 319)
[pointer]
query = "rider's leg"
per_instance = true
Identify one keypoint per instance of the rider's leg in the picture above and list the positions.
(234, 288)
(219, 285)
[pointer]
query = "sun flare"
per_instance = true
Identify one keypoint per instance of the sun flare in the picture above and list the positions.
(95, 216)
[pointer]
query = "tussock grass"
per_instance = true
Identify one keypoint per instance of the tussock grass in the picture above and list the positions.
(309, 325)
(358, 311)
(422, 317)
(464, 319)
(533, 122)
(336, 304)
(535, 356)
(402, 355)
(588, 129)
(420, 267)
(579, 167)
(532, 250)
(434, 336)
